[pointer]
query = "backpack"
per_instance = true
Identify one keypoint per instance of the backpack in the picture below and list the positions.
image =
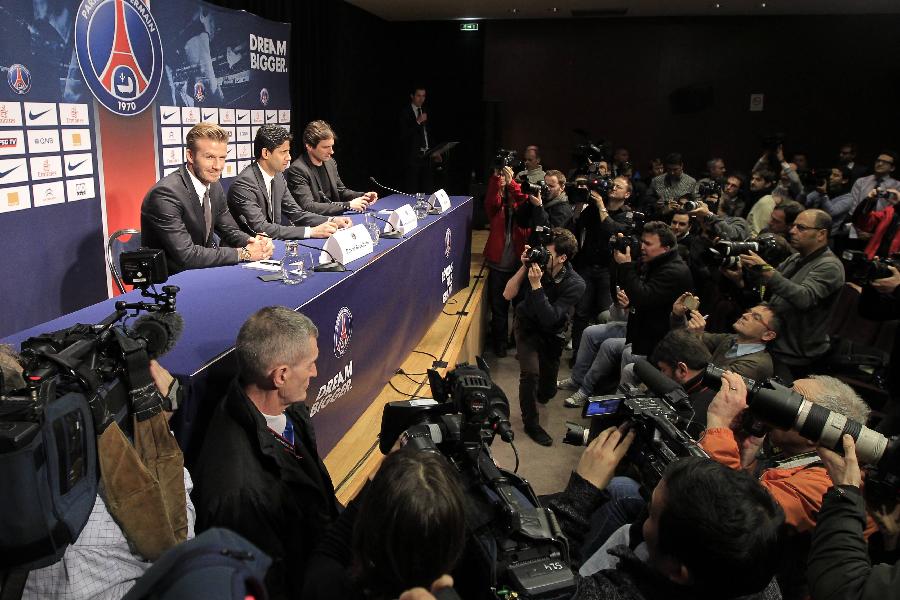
(218, 563)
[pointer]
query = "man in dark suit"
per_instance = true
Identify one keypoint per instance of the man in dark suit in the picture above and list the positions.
(415, 141)
(183, 210)
(259, 199)
(259, 472)
(313, 178)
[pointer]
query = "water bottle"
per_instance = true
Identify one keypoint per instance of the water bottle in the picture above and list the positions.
(291, 264)
(374, 229)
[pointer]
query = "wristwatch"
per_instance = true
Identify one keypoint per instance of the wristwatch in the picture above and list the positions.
(244, 254)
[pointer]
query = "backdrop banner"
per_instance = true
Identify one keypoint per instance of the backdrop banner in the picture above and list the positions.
(97, 100)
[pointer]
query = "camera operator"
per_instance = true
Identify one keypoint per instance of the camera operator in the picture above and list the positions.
(793, 475)
(546, 298)
(600, 219)
(504, 245)
(832, 194)
(867, 193)
(104, 562)
(406, 528)
(548, 206)
(847, 158)
(802, 290)
(743, 351)
(884, 227)
(732, 203)
(789, 181)
(651, 286)
(533, 170)
(674, 183)
(839, 564)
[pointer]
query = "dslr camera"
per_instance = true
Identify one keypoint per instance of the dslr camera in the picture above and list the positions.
(708, 188)
(507, 158)
(727, 254)
(517, 547)
(863, 270)
(631, 237)
(538, 254)
(535, 189)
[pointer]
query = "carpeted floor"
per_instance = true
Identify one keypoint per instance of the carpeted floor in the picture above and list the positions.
(547, 469)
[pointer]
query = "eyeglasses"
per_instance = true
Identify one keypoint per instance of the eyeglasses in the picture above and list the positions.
(802, 228)
(884, 162)
(758, 318)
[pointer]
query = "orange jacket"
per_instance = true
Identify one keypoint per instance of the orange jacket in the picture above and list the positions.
(799, 490)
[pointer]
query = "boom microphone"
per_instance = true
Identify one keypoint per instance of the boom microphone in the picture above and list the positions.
(661, 385)
(159, 330)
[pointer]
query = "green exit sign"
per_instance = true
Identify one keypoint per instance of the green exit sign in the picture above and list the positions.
(468, 26)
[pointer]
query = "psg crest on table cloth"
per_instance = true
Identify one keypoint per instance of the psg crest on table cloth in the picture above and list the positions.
(120, 53)
(343, 329)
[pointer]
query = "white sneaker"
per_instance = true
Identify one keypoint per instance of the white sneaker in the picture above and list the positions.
(576, 400)
(566, 384)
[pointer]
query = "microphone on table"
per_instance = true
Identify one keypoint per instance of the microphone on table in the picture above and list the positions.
(331, 267)
(394, 234)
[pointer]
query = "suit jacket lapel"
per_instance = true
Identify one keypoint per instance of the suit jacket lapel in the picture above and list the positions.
(278, 187)
(313, 180)
(261, 182)
(196, 222)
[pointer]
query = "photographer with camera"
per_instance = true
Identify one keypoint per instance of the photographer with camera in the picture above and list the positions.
(832, 194)
(714, 179)
(406, 528)
(547, 289)
(601, 219)
(793, 475)
(548, 205)
(788, 181)
(802, 290)
(762, 200)
(839, 563)
(506, 240)
(868, 194)
(880, 301)
(884, 227)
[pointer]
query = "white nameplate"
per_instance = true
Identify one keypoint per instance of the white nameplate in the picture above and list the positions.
(440, 201)
(346, 245)
(402, 219)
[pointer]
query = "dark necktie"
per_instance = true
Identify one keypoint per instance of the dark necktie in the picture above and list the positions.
(289, 432)
(207, 214)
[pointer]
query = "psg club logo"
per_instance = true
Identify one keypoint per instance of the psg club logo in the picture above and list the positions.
(120, 53)
(447, 238)
(19, 78)
(343, 329)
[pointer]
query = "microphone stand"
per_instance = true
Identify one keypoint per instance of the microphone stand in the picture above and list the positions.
(330, 267)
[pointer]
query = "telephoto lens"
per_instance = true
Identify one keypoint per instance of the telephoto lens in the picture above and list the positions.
(783, 408)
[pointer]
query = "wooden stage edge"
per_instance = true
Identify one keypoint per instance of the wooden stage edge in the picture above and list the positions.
(452, 338)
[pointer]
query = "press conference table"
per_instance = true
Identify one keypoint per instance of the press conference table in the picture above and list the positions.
(385, 303)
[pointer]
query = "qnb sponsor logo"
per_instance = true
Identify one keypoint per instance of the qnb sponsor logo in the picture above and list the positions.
(339, 385)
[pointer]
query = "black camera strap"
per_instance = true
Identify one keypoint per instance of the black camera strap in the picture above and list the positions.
(144, 397)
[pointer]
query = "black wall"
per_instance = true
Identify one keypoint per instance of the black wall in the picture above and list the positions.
(825, 80)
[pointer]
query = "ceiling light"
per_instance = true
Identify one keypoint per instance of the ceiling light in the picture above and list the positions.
(553, 10)
(763, 5)
(514, 10)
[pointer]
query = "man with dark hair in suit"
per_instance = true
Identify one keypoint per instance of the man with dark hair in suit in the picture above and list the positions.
(259, 198)
(182, 211)
(416, 139)
(313, 178)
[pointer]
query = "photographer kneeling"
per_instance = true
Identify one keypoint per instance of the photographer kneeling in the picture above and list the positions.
(548, 288)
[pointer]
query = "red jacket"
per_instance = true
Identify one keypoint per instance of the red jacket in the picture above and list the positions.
(878, 222)
(496, 212)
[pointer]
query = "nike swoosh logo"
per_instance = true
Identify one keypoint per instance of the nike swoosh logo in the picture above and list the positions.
(208, 116)
(33, 116)
(5, 173)
(170, 115)
(76, 165)
(241, 118)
